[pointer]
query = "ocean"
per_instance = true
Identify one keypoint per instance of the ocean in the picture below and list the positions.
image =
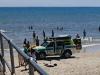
(15, 21)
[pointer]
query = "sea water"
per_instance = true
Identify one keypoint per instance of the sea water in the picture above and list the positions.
(15, 21)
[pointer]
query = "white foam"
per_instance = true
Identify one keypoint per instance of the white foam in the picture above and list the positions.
(1, 30)
(90, 45)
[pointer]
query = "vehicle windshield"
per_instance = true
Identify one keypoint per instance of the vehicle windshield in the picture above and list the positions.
(44, 44)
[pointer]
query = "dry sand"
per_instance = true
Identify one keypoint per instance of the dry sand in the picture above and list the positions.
(79, 64)
(82, 64)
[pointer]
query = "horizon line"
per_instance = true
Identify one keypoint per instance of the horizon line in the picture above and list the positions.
(52, 6)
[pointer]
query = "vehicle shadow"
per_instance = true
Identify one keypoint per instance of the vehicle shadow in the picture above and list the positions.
(56, 58)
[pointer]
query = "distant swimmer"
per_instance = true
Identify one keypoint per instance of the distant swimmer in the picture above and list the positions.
(60, 28)
(52, 33)
(99, 28)
(31, 27)
(57, 28)
(84, 33)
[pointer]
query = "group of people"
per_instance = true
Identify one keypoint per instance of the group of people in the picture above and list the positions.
(30, 27)
(29, 51)
(60, 28)
(36, 40)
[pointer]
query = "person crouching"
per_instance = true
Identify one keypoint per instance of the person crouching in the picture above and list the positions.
(33, 55)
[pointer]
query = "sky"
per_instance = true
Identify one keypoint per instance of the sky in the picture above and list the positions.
(49, 3)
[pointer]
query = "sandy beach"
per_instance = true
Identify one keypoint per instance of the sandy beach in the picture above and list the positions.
(84, 63)
(19, 23)
(80, 64)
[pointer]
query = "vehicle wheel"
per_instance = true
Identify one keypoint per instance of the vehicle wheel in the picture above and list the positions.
(67, 53)
(42, 55)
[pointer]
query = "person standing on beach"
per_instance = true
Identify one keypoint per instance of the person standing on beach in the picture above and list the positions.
(37, 41)
(84, 33)
(26, 52)
(25, 41)
(21, 60)
(34, 36)
(77, 36)
(43, 34)
(28, 44)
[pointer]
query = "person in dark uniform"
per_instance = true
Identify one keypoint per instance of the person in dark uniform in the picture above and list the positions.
(25, 42)
(43, 34)
(28, 44)
(37, 41)
(34, 34)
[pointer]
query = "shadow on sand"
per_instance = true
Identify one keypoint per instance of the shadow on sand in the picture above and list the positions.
(56, 58)
(24, 70)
